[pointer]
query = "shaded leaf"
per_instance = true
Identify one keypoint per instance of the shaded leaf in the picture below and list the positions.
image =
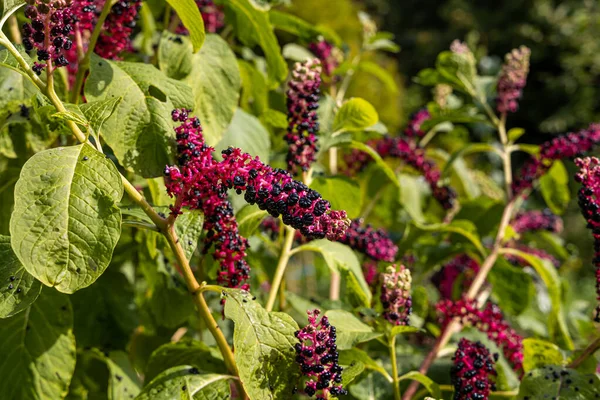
(342, 192)
(190, 16)
(350, 330)
(512, 287)
(186, 382)
(554, 186)
(539, 353)
(430, 385)
(247, 133)
(249, 219)
(355, 114)
(562, 384)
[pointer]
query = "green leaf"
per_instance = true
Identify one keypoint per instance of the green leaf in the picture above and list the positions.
(350, 330)
(19, 288)
(378, 160)
(264, 347)
(249, 219)
(140, 131)
(9, 7)
(403, 330)
(253, 28)
(464, 228)
(184, 352)
(188, 227)
(432, 387)
(514, 134)
(538, 353)
(512, 287)
(66, 223)
(274, 118)
(558, 383)
(355, 114)
(554, 186)
(255, 93)
(343, 193)
(471, 148)
(186, 382)
(175, 55)
(355, 294)
(410, 196)
(97, 112)
(215, 75)
(548, 273)
(381, 74)
(338, 257)
(189, 13)
(304, 30)
(247, 133)
(347, 357)
(351, 371)
(38, 349)
(457, 69)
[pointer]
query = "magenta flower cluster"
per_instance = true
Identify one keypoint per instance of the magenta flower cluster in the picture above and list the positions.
(212, 15)
(317, 355)
(491, 321)
(115, 37)
(589, 202)
(413, 129)
(446, 277)
(328, 54)
(535, 220)
(302, 105)
(565, 146)
(473, 371)
(49, 32)
(512, 80)
(374, 243)
(395, 297)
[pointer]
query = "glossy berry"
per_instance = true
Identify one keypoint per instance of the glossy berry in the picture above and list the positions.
(302, 104)
(512, 80)
(395, 295)
(491, 321)
(473, 372)
(317, 355)
(589, 202)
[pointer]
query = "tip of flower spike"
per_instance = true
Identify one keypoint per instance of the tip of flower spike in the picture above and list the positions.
(395, 295)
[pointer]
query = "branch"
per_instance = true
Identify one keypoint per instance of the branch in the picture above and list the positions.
(587, 352)
(281, 265)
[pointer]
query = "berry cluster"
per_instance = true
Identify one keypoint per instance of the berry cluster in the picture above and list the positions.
(589, 203)
(395, 295)
(302, 103)
(375, 243)
(413, 129)
(446, 277)
(490, 321)
(535, 220)
(329, 55)
(49, 32)
(565, 146)
(512, 80)
(212, 15)
(84, 14)
(195, 159)
(473, 367)
(318, 357)
(115, 37)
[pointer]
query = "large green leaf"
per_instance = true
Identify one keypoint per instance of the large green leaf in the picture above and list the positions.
(557, 383)
(19, 288)
(253, 28)
(66, 223)
(184, 352)
(343, 193)
(264, 347)
(429, 384)
(175, 55)
(347, 357)
(97, 112)
(186, 382)
(247, 133)
(512, 287)
(214, 75)
(9, 7)
(140, 131)
(249, 219)
(538, 353)
(554, 186)
(350, 330)
(189, 13)
(339, 257)
(38, 349)
(189, 228)
(355, 114)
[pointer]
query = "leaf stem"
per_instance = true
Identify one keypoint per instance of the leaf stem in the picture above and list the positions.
(281, 266)
(13, 28)
(587, 352)
(84, 63)
(396, 381)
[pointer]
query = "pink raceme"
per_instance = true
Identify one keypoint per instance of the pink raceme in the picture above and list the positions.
(473, 372)
(374, 243)
(317, 355)
(589, 202)
(413, 129)
(395, 296)
(535, 220)
(461, 266)
(329, 55)
(115, 37)
(512, 80)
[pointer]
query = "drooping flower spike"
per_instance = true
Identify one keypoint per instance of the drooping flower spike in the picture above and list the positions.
(565, 146)
(413, 129)
(317, 355)
(302, 105)
(115, 37)
(374, 243)
(446, 277)
(512, 80)
(589, 203)
(395, 296)
(473, 372)
(49, 32)
(212, 15)
(535, 220)
(491, 321)
(329, 55)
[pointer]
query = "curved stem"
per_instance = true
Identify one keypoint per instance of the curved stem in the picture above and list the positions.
(84, 63)
(587, 352)
(13, 28)
(281, 265)
(396, 381)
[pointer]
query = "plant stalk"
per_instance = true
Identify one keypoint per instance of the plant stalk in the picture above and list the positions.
(13, 28)
(284, 258)
(396, 381)
(587, 352)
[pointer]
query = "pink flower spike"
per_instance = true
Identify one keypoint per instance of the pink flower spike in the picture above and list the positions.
(512, 80)
(395, 295)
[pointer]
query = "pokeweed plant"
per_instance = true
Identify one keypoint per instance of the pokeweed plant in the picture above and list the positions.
(173, 172)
